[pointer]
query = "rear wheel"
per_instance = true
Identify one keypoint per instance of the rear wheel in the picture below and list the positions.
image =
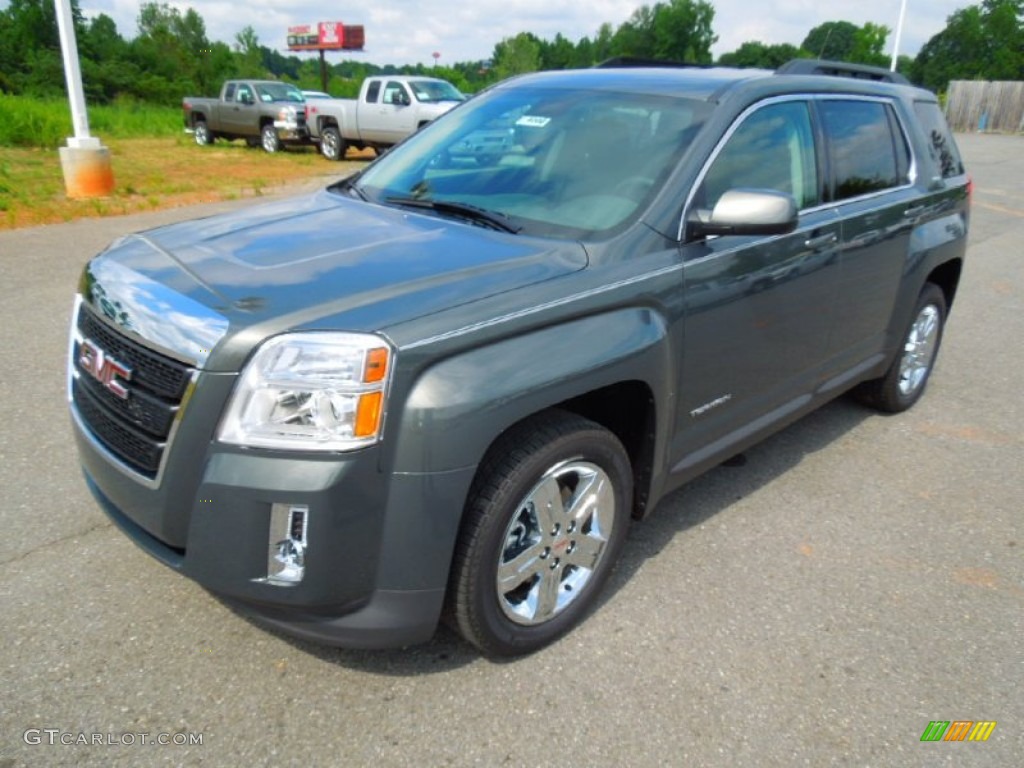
(904, 382)
(331, 144)
(202, 132)
(268, 138)
(544, 525)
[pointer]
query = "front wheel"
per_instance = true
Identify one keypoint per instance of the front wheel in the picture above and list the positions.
(904, 382)
(268, 137)
(331, 144)
(544, 524)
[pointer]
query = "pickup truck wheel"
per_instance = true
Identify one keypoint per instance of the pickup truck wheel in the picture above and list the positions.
(268, 137)
(904, 382)
(331, 144)
(545, 522)
(202, 133)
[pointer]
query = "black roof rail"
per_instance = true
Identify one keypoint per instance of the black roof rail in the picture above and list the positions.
(841, 69)
(625, 62)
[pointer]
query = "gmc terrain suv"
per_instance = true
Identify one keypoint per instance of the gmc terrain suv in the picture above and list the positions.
(444, 386)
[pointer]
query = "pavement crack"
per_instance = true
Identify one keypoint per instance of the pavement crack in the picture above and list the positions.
(55, 542)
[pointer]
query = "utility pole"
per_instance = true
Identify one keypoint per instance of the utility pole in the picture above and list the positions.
(85, 161)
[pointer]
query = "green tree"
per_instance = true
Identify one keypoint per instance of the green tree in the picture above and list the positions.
(249, 59)
(869, 45)
(833, 40)
(516, 55)
(757, 54)
(983, 41)
(683, 31)
(30, 56)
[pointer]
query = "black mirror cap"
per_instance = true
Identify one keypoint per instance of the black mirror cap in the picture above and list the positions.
(749, 212)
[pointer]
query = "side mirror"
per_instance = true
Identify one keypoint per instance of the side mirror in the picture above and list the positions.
(749, 212)
(246, 98)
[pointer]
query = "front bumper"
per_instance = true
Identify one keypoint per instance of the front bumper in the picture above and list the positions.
(379, 545)
(289, 131)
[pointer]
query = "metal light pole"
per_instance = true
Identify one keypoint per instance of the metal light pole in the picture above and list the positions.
(85, 162)
(899, 35)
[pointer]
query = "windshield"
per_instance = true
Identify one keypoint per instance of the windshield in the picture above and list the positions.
(279, 92)
(435, 90)
(562, 163)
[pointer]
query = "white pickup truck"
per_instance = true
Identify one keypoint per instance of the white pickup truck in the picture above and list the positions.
(388, 109)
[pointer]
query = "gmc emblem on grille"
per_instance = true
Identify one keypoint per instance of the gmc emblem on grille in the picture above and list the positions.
(105, 369)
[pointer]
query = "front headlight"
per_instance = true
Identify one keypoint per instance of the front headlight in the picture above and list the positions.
(311, 391)
(287, 114)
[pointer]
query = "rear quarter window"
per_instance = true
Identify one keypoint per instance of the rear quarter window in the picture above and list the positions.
(941, 146)
(867, 147)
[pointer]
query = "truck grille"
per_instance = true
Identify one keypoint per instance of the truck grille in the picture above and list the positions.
(135, 428)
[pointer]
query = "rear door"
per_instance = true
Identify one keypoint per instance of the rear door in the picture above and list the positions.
(759, 310)
(874, 194)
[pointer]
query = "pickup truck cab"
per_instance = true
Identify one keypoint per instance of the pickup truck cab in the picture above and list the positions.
(444, 387)
(265, 113)
(387, 110)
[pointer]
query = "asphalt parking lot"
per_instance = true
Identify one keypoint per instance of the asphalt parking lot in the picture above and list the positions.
(857, 578)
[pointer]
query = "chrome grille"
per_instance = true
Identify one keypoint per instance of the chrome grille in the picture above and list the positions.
(135, 428)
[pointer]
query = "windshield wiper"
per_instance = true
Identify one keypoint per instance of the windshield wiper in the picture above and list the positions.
(348, 184)
(469, 211)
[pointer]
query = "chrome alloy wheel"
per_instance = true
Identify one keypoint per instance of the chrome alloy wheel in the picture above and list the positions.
(919, 349)
(554, 542)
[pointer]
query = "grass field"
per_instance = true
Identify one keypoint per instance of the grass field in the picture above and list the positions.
(152, 173)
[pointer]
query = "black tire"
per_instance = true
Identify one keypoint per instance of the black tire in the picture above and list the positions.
(268, 138)
(332, 145)
(905, 381)
(204, 136)
(555, 561)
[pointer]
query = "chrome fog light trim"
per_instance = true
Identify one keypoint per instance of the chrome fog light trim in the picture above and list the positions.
(286, 544)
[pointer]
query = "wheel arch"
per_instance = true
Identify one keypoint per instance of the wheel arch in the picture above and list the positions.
(460, 407)
(327, 121)
(947, 277)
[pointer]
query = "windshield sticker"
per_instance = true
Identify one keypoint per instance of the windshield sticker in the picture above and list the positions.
(533, 121)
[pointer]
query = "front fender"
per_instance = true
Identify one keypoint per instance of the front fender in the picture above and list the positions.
(459, 406)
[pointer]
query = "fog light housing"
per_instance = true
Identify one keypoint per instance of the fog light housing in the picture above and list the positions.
(286, 544)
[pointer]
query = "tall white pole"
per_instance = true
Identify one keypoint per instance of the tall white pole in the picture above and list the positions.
(899, 35)
(85, 161)
(73, 76)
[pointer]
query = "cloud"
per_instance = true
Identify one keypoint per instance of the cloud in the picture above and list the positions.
(410, 31)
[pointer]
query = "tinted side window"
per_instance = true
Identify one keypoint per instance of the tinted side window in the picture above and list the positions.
(772, 149)
(373, 92)
(867, 155)
(229, 92)
(940, 140)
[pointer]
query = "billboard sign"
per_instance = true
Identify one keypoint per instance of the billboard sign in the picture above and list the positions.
(326, 36)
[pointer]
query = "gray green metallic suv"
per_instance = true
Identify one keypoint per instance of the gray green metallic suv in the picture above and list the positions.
(444, 386)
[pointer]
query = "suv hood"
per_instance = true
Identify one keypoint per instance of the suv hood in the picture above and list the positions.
(312, 262)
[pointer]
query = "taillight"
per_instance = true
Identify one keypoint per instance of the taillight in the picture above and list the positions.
(970, 187)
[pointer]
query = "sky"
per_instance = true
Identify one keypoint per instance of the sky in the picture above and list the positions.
(411, 31)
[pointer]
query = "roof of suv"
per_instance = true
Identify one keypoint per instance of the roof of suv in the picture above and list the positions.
(709, 83)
